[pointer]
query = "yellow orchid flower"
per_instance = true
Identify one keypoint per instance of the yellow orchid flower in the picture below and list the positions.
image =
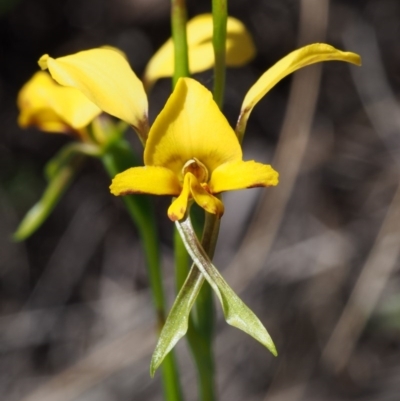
(54, 108)
(192, 153)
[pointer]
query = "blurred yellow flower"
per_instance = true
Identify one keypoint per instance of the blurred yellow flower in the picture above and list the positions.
(54, 108)
(239, 49)
(104, 77)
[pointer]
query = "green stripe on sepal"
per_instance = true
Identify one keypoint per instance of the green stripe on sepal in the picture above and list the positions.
(236, 313)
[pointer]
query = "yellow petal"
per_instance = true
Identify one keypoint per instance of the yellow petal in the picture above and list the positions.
(105, 77)
(300, 58)
(241, 175)
(179, 205)
(204, 199)
(191, 126)
(54, 108)
(148, 180)
(239, 48)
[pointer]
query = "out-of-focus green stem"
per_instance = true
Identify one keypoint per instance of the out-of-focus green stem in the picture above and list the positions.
(58, 184)
(220, 17)
(178, 25)
(118, 158)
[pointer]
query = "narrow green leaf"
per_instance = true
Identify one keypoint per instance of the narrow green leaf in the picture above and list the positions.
(236, 312)
(176, 325)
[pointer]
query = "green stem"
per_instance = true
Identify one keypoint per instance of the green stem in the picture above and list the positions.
(182, 260)
(203, 311)
(178, 25)
(220, 17)
(201, 324)
(204, 358)
(200, 321)
(66, 154)
(204, 306)
(201, 327)
(117, 159)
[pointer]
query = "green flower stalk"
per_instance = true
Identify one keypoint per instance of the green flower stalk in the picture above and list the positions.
(70, 110)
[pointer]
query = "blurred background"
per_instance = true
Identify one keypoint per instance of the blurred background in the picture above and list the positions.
(316, 258)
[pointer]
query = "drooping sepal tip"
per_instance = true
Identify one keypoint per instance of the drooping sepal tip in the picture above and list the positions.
(294, 61)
